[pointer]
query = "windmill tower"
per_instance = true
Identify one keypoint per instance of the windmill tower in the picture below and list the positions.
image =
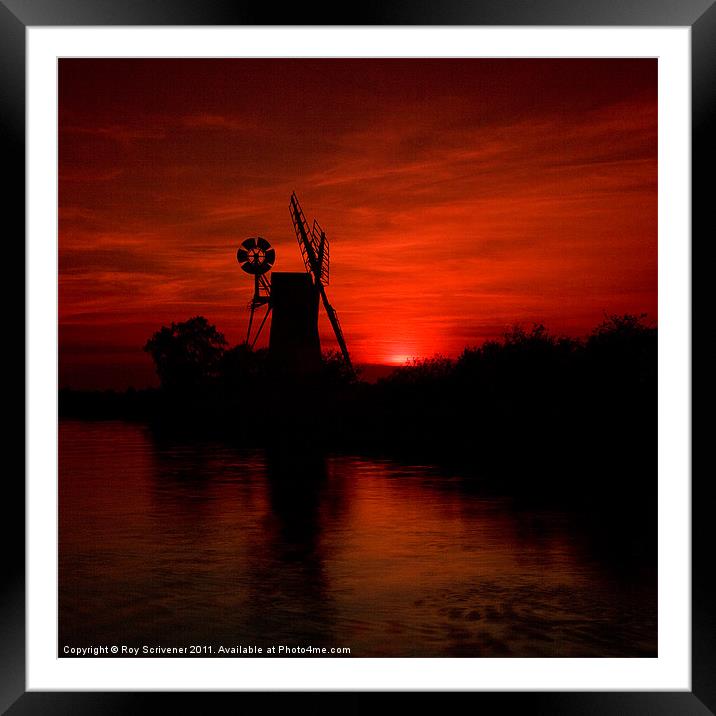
(292, 297)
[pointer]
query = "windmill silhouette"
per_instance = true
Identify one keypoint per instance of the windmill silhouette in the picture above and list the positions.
(292, 297)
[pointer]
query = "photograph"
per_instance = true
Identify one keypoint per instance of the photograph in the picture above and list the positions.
(357, 357)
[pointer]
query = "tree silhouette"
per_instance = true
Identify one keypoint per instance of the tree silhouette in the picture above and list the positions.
(187, 355)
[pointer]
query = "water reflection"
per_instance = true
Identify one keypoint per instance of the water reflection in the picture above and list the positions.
(176, 543)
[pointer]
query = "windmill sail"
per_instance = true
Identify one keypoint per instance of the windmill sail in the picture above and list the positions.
(315, 253)
(322, 248)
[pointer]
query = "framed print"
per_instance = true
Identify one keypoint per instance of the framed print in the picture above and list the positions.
(359, 354)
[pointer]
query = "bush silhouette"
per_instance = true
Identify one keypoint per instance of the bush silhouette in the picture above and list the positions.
(335, 372)
(243, 370)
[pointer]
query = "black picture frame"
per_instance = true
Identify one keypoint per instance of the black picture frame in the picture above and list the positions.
(699, 15)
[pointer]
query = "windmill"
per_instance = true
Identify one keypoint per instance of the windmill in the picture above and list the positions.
(256, 257)
(315, 253)
(292, 298)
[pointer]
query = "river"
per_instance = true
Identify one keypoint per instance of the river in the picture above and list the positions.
(172, 543)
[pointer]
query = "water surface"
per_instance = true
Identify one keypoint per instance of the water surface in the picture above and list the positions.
(172, 544)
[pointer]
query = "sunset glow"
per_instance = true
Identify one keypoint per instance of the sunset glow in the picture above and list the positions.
(460, 197)
(399, 359)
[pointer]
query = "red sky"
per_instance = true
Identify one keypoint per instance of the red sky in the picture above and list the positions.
(460, 197)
